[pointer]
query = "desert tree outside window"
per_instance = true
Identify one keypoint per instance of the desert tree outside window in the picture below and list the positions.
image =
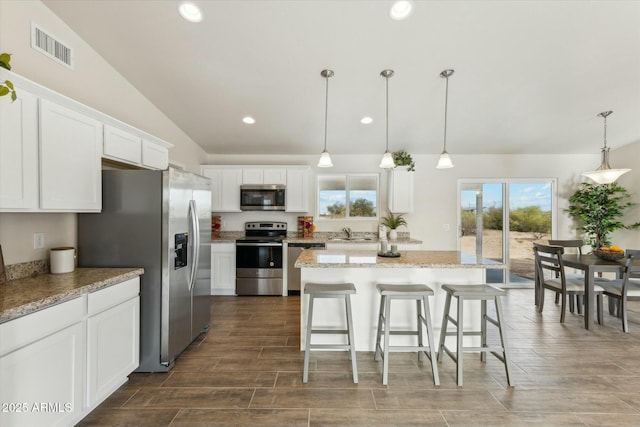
(348, 196)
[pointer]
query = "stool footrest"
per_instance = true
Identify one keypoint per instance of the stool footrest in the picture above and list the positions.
(330, 346)
(414, 333)
(329, 331)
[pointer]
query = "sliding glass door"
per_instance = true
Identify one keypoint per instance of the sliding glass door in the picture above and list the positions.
(500, 219)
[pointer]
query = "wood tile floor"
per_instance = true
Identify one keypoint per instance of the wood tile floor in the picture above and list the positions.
(247, 371)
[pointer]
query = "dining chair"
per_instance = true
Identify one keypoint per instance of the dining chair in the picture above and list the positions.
(627, 288)
(549, 259)
(577, 245)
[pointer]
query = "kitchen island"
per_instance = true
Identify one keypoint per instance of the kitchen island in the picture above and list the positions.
(365, 268)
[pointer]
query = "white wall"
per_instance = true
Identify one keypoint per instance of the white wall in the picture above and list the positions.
(435, 190)
(628, 157)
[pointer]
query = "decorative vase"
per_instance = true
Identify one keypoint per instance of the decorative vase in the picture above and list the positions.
(393, 234)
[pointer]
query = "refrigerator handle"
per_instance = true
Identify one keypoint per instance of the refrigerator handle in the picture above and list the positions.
(195, 227)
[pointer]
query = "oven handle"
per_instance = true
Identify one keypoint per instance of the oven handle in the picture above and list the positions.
(258, 244)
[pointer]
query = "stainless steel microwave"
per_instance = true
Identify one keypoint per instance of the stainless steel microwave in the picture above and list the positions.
(262, 197)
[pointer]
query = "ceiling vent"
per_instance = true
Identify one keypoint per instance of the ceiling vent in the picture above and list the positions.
(50, 46)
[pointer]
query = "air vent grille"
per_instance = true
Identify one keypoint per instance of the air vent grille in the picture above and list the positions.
(50, 46)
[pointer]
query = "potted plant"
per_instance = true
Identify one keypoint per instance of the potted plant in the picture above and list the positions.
(6, 87)
(393, 222)
(598, 209)
(402, 158)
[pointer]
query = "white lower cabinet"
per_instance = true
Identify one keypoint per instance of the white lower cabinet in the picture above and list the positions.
(112, 340)
(59, 363)
(42, 380)
(223, 269)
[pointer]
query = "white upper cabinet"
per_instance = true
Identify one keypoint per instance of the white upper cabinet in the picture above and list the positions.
(275, 176)
(225, 187)
(122, 145)
(297, 192)
(154, 156)
(51, 150)
(252, 176)
(19, 152)
(400, 196)
(70, 153)
(264, 175)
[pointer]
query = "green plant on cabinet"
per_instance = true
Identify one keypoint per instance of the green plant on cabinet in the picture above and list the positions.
(402, 158)
(6, 87)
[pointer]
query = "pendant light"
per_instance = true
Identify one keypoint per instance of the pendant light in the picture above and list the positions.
(325, 158)
(445, 160)
(387, 159)
(604, 174)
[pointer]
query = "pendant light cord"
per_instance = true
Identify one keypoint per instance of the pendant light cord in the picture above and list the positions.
(326, 109)
(387, 131)
(446, 105)
(605, 131)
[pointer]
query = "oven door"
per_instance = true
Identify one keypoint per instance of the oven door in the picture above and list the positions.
(259, 268)
(258, 255)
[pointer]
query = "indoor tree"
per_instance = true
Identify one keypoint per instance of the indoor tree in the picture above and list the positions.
(599, 209)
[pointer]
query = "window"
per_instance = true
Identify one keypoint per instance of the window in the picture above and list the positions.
(348, 196)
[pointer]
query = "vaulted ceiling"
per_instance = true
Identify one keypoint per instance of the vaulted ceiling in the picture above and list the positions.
(530, 76)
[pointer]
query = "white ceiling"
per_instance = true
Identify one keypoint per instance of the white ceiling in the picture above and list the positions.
(530, 76)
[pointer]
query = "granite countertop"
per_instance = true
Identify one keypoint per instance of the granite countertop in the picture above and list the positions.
(407, 259)
(24, 296)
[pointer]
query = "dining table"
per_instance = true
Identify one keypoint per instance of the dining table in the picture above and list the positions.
(591, 265)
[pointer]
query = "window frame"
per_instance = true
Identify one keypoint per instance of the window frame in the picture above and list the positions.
(347, 178)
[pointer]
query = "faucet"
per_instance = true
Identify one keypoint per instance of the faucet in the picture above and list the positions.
(348, 231)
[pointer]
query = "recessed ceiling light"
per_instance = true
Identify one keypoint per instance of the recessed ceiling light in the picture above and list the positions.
(401, 9)
(366, 120)
(248, 120)
(190, 12)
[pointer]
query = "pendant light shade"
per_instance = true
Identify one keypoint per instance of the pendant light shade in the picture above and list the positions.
(325, 158)
(387, 159)
(444, 162)
(604, 174)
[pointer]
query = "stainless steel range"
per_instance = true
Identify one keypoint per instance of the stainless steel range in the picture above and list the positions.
(259, 259)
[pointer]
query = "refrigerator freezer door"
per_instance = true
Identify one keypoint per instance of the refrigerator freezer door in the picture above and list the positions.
(176, 294)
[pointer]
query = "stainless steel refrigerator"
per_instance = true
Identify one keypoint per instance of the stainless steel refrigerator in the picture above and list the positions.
(161, 221)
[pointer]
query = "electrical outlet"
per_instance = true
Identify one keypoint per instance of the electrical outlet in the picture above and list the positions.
(445, 227)
(38, 240)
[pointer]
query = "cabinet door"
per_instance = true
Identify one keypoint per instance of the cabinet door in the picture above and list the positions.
(252, 176)
(275, 176)
(45, 379)
(225, 188)
(154, 155)
(113, 338)
(121, 145)
(70, 153)
(19, 152)
(400, 191)
(297, 192)
(223, 269)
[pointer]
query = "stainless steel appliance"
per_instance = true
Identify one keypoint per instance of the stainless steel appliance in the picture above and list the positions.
(259, 259)
(293, 274)
(161, 221)
(262, 197)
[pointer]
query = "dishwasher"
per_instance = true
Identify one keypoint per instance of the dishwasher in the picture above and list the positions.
(293, 274)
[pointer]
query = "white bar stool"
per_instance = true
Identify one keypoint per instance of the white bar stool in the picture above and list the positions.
(420, 294)
(330, 290)
(481, 293)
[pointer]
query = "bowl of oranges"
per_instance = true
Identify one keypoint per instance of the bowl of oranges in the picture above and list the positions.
(609, 253)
